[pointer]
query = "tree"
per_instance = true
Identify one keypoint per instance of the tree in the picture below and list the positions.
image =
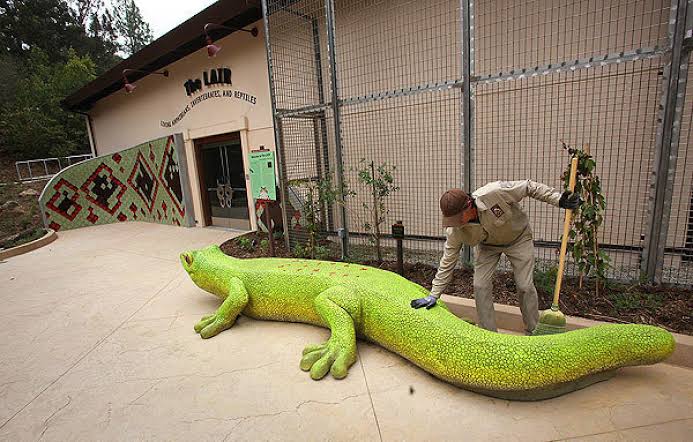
(96, 21)
(588, 218)
(25, 24)
(133, 30)
(85, 11)
(380, 183)
(34, 125)
(52, 26)
(320, 194)
(10, 72)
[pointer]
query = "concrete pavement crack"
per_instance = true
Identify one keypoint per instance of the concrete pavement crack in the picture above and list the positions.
(94, 347)
(623, 429)
(160, 379)
(241, 419)
(46, 422)
(151, 387)
(370, 396)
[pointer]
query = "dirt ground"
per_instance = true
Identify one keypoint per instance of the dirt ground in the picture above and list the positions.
(667, 307)
(20, 219)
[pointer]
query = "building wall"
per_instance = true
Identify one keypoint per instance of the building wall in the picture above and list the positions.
(122, 120)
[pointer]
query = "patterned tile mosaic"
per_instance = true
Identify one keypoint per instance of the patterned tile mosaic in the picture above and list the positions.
(142, 183)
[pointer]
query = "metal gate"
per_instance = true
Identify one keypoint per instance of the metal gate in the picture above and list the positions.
(460, 93)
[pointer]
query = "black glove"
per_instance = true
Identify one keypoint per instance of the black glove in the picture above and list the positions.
(569, 200)
(428, 302)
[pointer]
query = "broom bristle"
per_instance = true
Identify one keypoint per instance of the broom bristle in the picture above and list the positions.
(551, 321)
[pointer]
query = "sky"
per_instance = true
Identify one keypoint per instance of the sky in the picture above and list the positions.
(164, 15)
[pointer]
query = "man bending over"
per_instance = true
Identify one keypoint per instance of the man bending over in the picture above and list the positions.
(492, 220)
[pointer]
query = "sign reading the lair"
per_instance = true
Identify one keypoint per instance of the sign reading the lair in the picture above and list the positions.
(209, 78)
(220, 77)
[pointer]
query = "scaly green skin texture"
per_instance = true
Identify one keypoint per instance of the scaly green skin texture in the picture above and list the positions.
(353, 300)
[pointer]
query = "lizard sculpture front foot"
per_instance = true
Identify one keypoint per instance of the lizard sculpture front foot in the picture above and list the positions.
(337, 306)
(329, 356)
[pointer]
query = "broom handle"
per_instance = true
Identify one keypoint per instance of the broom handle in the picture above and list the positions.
(564, 240)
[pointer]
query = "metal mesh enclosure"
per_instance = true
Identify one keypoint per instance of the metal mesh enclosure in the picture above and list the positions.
(612, 110)
(678, 254)
(459, 94)
(395, 63)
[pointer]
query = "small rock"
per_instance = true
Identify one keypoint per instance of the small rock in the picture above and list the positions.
(29, 192)
(9, 205)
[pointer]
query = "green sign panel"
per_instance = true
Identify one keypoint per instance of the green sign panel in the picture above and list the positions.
(262, 180)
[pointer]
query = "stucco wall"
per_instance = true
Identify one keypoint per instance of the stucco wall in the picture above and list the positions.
(121, 120)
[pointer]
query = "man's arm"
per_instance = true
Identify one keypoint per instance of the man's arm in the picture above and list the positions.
(451, 254)
(515, 191)
(453, 244)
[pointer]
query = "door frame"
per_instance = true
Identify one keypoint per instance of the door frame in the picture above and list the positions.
(199, 165)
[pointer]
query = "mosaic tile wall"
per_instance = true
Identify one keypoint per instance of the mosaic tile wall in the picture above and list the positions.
(142, 183)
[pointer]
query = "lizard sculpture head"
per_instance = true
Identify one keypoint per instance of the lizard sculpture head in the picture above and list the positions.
(202, 264)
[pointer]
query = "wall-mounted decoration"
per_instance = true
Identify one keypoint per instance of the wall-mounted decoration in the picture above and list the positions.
(143, 183)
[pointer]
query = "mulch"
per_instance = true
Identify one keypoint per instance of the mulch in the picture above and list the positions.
(667, 307)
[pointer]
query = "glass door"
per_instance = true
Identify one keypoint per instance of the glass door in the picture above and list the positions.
(225, 183)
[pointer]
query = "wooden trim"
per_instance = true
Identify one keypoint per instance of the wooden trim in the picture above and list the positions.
(199, 165)
(206, 219)
(231, 136)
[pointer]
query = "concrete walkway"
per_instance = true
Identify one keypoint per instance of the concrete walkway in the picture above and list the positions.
(97, 343)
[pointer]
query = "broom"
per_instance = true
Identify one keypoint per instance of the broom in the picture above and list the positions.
(553, 320)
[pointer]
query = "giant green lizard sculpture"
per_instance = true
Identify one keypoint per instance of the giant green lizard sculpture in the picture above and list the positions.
(357, 301)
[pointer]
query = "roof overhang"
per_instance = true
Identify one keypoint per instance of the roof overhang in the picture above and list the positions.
(181, 41)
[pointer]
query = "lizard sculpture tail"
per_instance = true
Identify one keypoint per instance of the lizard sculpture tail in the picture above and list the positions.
(523, 367)
(352, 300)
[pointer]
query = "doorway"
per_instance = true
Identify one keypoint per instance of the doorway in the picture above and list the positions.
(223, 181)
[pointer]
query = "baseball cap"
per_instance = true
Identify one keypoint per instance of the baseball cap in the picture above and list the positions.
(452, 203)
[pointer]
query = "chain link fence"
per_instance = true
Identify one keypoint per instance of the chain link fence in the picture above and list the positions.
(460, 93)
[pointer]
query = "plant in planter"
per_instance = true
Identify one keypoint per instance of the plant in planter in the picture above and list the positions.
(380, 182)
(587, 219)
(320, 195)
(245, 244)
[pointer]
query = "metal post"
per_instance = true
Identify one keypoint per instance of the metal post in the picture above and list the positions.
(398, 235)
(278, 147)
(321, 145)
(268, 223)
(666, 154)
(466, 45)
(329, 12)
(90, 134)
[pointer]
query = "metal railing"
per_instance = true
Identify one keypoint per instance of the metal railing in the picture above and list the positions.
(44, 168)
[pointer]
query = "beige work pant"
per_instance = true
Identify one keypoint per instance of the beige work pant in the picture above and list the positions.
(521, 257)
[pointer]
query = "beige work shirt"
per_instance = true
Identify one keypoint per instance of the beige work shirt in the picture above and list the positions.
(501, 222)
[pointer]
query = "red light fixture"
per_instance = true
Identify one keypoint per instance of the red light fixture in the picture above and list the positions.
(129, 87)
(213, 49)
